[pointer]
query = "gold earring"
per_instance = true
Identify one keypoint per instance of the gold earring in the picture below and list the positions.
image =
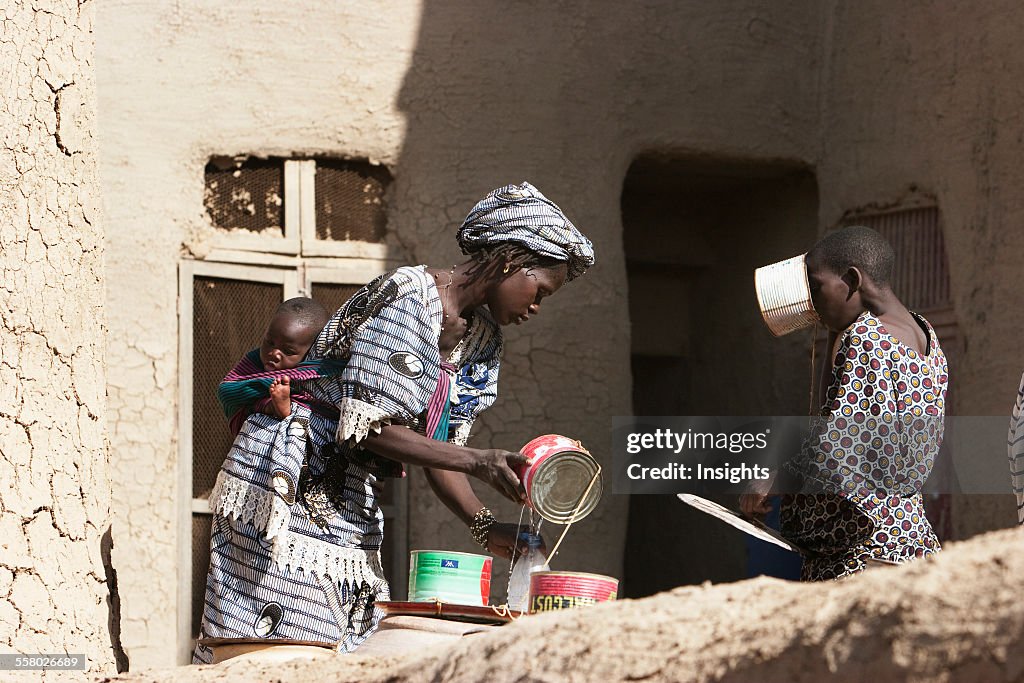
(508, 267)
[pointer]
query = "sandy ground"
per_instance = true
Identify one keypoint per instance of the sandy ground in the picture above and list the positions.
(959, 617)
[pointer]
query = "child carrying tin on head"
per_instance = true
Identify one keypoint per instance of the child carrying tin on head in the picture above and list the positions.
(862, 470)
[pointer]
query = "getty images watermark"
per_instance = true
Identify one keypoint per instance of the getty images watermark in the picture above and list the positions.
(691, 442)
(724, 455)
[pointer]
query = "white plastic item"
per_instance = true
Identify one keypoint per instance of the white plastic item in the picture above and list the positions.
(532, 561)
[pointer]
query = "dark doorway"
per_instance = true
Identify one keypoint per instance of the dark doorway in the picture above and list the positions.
(694, 231)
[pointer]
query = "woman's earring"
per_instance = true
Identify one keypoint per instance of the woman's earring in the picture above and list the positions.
(508, 267)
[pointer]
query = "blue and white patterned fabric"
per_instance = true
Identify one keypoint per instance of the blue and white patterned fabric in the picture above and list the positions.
(388, 333)
(297, 530)
(521, 214)
(1015, 450)
(290, 558)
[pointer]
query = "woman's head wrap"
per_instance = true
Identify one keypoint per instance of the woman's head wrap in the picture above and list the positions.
(521, 214)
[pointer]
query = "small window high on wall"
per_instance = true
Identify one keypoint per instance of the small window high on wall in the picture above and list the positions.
(312, 207)
(245, 194)
(350, 201)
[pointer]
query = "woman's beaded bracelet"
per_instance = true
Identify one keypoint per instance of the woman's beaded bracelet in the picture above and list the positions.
(481, 525)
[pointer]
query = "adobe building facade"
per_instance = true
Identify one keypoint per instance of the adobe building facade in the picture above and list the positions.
(691, 142)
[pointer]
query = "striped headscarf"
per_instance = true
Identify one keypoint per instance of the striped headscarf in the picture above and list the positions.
(521, 214)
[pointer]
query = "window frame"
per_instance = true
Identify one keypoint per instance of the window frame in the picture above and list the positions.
(299, 239)
(244, 240)
(295, 274)
(295, 261)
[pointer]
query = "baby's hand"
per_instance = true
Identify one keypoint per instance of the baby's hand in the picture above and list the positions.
(281, 397)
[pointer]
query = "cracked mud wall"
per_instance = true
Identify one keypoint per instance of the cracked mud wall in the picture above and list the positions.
(55, 495)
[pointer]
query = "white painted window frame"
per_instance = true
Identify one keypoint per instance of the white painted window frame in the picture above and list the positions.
(295, 261)
(299, 226)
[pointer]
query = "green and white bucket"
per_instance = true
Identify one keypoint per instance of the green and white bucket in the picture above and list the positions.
(460, 578)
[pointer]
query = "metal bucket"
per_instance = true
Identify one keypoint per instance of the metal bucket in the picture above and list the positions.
(551, 591)
(784, 296)
(558, 478)
(461, 578)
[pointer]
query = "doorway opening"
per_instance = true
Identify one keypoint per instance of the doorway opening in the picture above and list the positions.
(694, 230)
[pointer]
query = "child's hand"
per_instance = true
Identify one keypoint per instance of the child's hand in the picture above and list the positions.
(281, 397)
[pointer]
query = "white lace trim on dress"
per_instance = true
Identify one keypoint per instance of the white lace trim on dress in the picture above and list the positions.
(268, 512)
(358, 418)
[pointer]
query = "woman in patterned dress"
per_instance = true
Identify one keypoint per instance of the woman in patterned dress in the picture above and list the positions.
(862, 469)
(297, 528)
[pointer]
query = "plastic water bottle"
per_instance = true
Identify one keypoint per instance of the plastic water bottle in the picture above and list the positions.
(533, 560)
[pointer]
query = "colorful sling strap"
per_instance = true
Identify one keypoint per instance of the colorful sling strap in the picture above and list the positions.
(248, 382)
(439, 407)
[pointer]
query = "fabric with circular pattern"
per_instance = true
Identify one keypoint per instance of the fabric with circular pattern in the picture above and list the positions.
(869, 455)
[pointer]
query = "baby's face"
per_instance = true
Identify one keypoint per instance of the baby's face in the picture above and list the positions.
(285, 343)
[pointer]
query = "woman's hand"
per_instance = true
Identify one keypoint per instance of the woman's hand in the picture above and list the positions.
(494, 466)
(754, 501)
(497, 468)
(503, 539)
(755, 505)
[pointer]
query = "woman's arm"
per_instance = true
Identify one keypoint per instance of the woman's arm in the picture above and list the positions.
(455, 492)
(493, 466)
(446, 466)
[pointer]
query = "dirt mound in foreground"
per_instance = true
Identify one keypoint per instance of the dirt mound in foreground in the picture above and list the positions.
(959, 617)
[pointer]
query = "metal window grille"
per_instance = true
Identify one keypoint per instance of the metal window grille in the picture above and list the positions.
(333, 296)
(245, 194)
(921, 272)
(229, 319)
(350, 200)
(201, 525)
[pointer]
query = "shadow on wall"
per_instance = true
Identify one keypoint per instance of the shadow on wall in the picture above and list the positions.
(694, 231)
(113, 602)
(495, 93)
